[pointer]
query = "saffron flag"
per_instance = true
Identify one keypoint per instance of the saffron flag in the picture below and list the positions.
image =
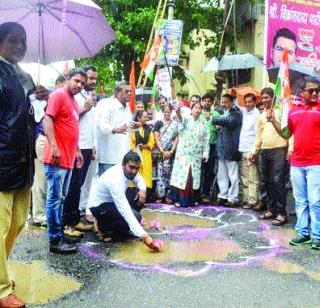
(187, 72)
(283, 102)
(149, 61)
(132, 102)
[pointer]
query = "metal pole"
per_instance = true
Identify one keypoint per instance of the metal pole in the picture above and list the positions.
(235, 36)
(171, 7)
(150, 39)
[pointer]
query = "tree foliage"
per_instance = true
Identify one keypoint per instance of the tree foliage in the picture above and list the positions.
(132, 22)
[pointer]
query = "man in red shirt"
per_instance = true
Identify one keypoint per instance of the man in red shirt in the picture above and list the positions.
(304, 125)
(61, 124)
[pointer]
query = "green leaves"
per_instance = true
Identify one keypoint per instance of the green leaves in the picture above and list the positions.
(132, 21)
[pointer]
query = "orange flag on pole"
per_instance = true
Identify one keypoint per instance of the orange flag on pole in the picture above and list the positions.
(132, 103)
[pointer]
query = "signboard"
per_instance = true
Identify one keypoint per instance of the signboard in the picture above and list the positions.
(294, 24)
(171, 32)
(164, 82)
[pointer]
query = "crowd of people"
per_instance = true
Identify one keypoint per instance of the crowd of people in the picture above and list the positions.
(223, 153)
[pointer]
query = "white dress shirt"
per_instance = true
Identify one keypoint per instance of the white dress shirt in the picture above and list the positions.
(86, 123)
(249, 129)
(110, 113)
(111, 186)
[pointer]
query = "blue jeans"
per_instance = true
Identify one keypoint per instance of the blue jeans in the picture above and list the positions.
(306, 192)
(58, 180)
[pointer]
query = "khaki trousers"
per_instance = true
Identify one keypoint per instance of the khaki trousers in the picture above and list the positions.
(249, 180)
(14, 209)
(39, 188)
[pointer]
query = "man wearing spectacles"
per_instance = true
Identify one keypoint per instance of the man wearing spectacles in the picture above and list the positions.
(113, 123)
(304, 125)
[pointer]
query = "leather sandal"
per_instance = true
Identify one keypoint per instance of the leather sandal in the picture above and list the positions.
(260, 207)
(280, 220)
(267, 215)
(168, 200)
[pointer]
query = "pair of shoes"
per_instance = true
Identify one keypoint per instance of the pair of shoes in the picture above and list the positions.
(63, 248)
(205, 199)
(39, 224)
(11, 301)
(71, 239)
(81, 226)
(168, 200)
(300, 240)
(104, 238)
(177, 204)
(221, 201)
(248, 206)
(159, 201)
(315, 243)
(280, 220)
(71, 231)
(260, 207)
(233, 204)
(89, 218)
(267, 215)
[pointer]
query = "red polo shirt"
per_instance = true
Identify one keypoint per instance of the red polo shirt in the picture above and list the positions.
(304, 123)
(64, 110)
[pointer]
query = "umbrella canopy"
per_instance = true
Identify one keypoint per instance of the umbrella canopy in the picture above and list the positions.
(233, 62)
(59, 29)
(296, 71)
(242, 91)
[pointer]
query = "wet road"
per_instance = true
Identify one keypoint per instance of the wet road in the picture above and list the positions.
(212, 256)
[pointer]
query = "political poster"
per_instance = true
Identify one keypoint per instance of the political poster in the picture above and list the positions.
(171, 33)
(294, 24)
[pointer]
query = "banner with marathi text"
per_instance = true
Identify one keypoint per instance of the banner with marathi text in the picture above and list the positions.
(294, 24)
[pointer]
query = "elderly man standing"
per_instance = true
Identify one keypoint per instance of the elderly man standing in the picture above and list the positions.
(113, 122)
(61, 124)
(227, 151)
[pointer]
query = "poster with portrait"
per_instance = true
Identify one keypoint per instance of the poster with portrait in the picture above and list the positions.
(171, 32)
(294, 24)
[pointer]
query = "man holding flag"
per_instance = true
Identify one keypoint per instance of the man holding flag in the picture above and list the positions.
(304, 124)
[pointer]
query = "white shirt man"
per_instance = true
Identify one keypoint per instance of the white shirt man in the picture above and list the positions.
(109, 205)
(249, 173)
(113, 118)
(111, 188)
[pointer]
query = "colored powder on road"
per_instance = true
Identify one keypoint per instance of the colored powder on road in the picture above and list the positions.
(169, 221)
(284, 267)
(279, 237)
(177, 252)
(36, 285)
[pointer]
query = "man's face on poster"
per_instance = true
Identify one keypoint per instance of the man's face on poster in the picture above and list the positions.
(278, 49)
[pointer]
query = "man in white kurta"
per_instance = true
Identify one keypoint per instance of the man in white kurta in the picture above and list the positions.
(113, 121)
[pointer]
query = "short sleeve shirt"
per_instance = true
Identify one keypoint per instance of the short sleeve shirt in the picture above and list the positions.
(64, 110)
(304, 123)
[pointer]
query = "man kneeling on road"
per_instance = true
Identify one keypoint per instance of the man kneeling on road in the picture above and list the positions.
(110, 206)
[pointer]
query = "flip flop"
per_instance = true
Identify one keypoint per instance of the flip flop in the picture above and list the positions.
(267, 215)
(280, 220)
